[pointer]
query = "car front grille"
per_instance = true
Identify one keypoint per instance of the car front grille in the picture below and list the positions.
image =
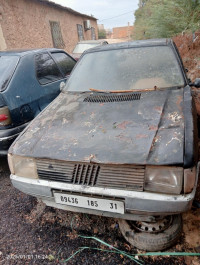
(85, 174)
(129, 177)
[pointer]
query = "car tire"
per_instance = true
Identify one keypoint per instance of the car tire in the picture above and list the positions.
(152, 241)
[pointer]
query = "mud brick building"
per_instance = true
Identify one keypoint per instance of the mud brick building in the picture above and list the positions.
(122, 32)
(26, 24)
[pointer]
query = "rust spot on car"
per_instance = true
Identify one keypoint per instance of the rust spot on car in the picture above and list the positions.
(153, 128)
(189, 179)
(155, 140)
(179, 101)
(123, 125)
(159, 109)
(141, 136)
(102, 129)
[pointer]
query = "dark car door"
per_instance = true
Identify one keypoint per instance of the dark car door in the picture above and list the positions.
(21, 95)
(51, 70)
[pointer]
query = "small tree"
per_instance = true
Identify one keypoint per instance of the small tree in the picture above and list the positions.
(102, 34)
(166, 18)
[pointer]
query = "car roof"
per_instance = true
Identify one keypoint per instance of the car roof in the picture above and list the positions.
(25, 52)
(92, 41)
(131, 44)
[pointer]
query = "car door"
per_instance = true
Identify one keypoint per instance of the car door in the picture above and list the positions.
(50, 72)
(21, 95)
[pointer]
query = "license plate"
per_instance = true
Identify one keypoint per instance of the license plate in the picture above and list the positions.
(90, 203)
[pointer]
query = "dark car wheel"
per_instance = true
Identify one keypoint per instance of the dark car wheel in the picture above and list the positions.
(152, 236)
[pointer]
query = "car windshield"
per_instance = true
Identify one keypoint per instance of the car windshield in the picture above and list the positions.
(7, 67)
(81, 47)
(126, 70)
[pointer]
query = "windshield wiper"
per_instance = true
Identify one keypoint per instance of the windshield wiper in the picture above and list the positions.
(98, 90)
(124, 91)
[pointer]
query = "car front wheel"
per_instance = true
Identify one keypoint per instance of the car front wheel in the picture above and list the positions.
(153, 236)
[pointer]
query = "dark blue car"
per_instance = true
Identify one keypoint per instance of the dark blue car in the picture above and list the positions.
(29, 81)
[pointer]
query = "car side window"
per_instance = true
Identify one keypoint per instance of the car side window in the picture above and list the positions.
(65, 63)
(46, 69)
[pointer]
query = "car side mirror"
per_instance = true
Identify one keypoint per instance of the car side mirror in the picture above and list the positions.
(196, 83)
(62, 86)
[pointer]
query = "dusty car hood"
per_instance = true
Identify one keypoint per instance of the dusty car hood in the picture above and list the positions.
(149, 130)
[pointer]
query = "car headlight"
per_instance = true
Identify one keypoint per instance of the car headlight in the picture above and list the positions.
(22, 166)
(164, 179)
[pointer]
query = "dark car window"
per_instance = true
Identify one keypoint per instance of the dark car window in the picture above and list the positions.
(7, 67)
(127, 69)
(46, 69)
(65, 63)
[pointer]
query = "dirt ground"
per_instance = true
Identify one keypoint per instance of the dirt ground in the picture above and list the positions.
(49, 236)
(31, 233)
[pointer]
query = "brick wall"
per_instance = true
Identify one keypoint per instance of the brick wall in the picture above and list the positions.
(25, 24)
(122, 32)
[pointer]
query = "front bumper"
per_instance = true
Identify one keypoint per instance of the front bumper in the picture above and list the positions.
(136, 203)
(7, 137)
